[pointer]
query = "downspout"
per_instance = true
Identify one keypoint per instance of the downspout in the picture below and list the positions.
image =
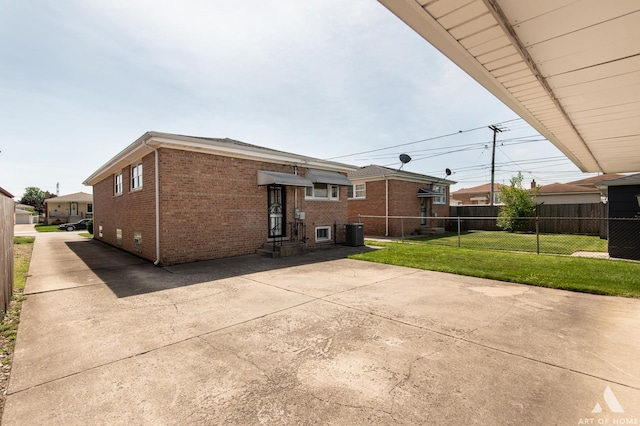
(157, 179)
(386, 206)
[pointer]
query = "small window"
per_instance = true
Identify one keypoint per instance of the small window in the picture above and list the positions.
(323, 233)
(442, 198)
(100, 231)
(119, 236)
(89, 208)
(117, 186)
(136, 176)
(323, 191)
(358, 191)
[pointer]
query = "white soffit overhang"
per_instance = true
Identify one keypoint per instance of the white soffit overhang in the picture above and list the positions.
(570, 68)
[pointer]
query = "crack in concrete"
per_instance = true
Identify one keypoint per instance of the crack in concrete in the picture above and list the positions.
(493, 348)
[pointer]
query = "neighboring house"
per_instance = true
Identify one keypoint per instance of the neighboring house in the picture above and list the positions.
(25, 217)
(68, 208)
(624, 215)
(25, 214)
(477, 195)
(389, 193)
(582, 191)
(174, 199)
(565, 193)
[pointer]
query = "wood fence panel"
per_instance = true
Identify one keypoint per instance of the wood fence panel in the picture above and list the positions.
(7, 209)
(587, 219)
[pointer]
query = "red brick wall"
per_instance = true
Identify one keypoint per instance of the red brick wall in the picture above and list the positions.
(403, 201)
(211, 207)
(133, 211)
(372, 205)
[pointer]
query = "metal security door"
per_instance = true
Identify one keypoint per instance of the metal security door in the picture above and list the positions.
(276, 211)
(423, 211)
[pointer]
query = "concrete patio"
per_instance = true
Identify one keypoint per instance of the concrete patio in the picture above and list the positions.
(107, 338)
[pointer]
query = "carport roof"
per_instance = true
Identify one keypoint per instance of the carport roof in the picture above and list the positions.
(570, 68)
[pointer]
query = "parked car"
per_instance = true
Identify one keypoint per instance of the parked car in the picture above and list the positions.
(81, 224)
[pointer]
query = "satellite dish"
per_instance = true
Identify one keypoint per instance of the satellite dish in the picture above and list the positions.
(404, 158)
(448, 172)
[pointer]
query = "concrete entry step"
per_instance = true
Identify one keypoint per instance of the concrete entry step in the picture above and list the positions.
(284, 249)
(431, 231)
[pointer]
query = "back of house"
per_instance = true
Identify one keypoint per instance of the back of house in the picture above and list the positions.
(174, 199)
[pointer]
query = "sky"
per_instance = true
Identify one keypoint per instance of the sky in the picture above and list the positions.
(80, 80)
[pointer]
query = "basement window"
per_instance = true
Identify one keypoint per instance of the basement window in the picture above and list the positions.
(323, 233)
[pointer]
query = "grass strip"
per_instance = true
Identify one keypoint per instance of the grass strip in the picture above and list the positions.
(513, 241)
(597, 276)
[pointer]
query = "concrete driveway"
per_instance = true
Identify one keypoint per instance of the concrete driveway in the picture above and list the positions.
(106, 338)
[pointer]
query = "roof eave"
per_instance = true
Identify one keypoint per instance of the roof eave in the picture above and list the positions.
(410, 12)
(156, 140)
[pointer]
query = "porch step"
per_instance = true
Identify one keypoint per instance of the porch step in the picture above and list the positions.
(431, 231)
(287, 248)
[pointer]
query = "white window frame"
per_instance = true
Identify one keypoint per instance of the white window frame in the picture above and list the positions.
(136, 176)
(496, 197)
(358, 191)
(440, 199)
(332, 192)
(324, 238)
(117, 184)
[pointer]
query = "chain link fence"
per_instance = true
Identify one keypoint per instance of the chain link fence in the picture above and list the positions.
(573, 236)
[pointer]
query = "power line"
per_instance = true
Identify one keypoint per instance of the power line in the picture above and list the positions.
(418, 141)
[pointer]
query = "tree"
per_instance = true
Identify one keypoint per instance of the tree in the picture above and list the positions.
(518, 203)
(34, 197)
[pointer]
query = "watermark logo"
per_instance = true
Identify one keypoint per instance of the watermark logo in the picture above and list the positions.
(607, 411)
(611, 401)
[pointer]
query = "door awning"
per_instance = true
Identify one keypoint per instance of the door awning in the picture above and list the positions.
(424, 193)
(323, 176)
(277, 178)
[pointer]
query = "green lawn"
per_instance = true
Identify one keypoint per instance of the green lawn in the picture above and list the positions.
(47, 228)
(502, 240)
(599, 276)
(22, 247)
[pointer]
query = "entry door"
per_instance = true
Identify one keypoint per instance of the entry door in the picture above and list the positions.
(276, 205)
(423, 211)
(74, 209)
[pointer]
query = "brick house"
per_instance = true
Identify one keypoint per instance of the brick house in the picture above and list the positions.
(477, 195)
(174, 199)
(388, 194)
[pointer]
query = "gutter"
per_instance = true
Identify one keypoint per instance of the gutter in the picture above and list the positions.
(157, 184)
(386, 205)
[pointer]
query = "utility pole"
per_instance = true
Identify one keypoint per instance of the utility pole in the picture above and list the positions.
(495, 129)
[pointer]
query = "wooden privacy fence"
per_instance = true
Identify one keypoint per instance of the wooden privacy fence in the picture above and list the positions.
(7, 211)
(589, 219)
